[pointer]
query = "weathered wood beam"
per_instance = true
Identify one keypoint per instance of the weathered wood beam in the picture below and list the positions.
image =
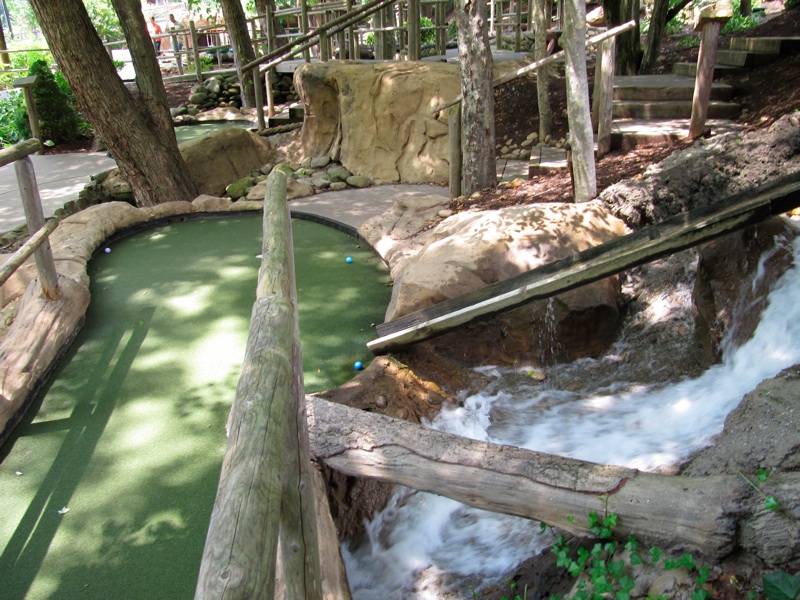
(239, 559)
(648, 244)
(24, 252)
(700, 512)
(20, 150)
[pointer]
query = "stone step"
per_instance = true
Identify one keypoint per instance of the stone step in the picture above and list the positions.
(546, 160)
(689, 69)
(630, 133)
(672, 109)
(664, 87)
(744, 58)
(773, 45)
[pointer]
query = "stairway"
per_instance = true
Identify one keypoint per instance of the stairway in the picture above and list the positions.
(652, 108)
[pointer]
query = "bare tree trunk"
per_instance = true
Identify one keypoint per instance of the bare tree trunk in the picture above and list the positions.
(629, 47)
(579, 109)
(243, 52)
(4, 58)
(138, 133)
(479, 170)
(658, 21)
(540, 22)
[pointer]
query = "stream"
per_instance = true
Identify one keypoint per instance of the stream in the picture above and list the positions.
(420, 541)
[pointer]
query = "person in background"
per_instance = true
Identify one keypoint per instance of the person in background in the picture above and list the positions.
(154, 29)
(173, 25)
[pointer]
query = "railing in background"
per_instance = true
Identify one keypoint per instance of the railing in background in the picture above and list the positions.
(40, 231)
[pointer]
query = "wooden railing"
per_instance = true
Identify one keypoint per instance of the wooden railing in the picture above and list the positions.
(267, 489)
(40, 231)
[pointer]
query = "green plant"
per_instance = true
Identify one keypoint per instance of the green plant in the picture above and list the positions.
(690, 41)
(600, 576)
(206, 63)
(781, 586)
(12, 114)
(738, 22)
(58, 118)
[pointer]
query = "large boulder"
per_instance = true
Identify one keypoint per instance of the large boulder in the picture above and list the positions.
(223, 156)
(473, 249)
(375, 118)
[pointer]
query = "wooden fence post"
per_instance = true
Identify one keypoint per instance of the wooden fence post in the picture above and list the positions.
(454, 126)
(196, 52)
(710, 23)
(27, 83)
(32, 205)
(604, 92)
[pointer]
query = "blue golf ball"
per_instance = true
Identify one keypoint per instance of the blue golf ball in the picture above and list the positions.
(348, 260)
(358, 365)
(107, 250)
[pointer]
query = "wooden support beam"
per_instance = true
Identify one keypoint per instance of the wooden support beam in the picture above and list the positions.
(454, 128)
(32, 205)
(706, 58)
(27, 83)
(24, 252)
(604, 92)
(20, 150)
(675, 234)
(700, 512)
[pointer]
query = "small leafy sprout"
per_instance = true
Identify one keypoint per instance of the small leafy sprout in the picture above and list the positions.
(770, 503)
(763, 475)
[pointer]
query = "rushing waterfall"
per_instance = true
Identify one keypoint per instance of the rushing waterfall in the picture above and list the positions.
(644, 425)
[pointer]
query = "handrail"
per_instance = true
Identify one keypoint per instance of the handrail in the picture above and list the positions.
(32, 205)
(615, 31)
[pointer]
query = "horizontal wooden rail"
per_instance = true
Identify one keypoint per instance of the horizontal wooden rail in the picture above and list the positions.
(548, 60)
(21, 150)
(26, 250)
(648, 244)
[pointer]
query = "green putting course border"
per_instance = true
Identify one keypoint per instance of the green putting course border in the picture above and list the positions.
(170, 523)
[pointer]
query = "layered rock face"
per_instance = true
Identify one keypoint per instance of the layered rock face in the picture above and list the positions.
(470, 250)
(375, 118)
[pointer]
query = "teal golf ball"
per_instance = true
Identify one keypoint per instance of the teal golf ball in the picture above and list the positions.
(358, 365)
(348, 260)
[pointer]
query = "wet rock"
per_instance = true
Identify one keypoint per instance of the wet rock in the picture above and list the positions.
(240, 187)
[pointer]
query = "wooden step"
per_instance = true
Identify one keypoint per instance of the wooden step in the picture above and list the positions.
(672, 109)
(773, 45)
(689, 69)
(664, 87)
(744, 58)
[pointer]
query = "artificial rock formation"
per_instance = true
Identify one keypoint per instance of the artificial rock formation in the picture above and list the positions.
(375, 118)
(470, 250)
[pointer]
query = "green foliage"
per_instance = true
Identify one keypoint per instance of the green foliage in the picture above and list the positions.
(59, 120)
(788, 4)
(600, 577)
(737, 22)
(13, 118)
(429, 36)
(104, 18)
(781, 586)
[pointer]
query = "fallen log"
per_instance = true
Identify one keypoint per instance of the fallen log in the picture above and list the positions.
(699, 514)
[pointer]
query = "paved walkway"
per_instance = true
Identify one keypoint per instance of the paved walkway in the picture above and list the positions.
(60, 178)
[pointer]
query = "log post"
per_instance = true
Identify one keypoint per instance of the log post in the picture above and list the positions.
(27, 83)
(324, 47)
(454, 126)
(177, 53)
(257, 83)
(700, 512)
(414, 33)
(710, 23)
(351, 35)
(196, 52)
(304, 26)
(32, 205)
(604, 93)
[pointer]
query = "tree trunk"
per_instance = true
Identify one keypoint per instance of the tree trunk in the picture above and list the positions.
(710, 515)
(243, 52)
(658, 22)
(4, 58)
(629, 48)
(138, 133)
(540, 23)
(479, 170)
(579, 108)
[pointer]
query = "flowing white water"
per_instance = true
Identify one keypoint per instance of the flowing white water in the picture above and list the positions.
(419, 536)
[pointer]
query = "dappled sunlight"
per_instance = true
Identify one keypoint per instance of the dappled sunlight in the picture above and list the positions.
(130, 435)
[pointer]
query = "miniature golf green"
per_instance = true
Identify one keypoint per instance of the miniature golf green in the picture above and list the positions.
(185, 133)
(107, 489)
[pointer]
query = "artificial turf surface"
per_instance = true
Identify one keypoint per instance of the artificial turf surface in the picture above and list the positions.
(129, 433)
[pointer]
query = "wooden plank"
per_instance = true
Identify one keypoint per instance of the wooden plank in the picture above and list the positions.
(23, 252)
(454, 126)
(20, 150)
(700, 512)
(604, 91)
(706, 57)
(648, 244)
